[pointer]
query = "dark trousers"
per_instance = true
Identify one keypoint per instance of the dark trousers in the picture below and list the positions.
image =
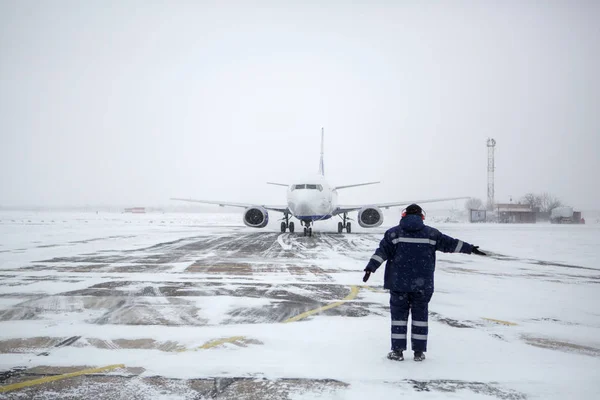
(415, 303)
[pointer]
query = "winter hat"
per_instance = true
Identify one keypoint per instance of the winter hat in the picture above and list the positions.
(414, 209)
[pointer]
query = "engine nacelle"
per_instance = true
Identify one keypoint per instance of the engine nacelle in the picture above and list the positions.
(370, 217)
(256, 217)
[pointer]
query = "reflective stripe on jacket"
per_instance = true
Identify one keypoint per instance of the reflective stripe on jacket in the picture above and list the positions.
(409, 250)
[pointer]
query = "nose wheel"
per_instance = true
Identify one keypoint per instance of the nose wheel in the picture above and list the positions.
(345, 224)
(307, 228)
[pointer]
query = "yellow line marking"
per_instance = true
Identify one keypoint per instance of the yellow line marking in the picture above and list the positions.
(218, 342)
(372, 289)
(499, 321)
(351, 296)
(47, 379)
(214, 343)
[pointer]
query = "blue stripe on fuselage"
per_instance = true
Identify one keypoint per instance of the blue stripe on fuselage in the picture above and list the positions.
(313, 217)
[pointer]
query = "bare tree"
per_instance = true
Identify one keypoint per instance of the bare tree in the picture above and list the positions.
(532, 200)
(474, 204)
(548, 202)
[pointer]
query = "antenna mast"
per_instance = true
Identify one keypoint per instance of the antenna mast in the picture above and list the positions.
(491, 145)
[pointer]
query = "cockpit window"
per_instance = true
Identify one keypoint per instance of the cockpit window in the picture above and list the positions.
(308, 186)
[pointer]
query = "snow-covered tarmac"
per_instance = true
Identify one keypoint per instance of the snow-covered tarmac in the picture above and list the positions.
(199, 306)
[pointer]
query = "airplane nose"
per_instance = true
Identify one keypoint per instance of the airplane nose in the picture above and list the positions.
(308, 204)
(304, 209)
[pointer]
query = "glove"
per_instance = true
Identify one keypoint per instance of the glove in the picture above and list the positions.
(367, 275)
(476, 250)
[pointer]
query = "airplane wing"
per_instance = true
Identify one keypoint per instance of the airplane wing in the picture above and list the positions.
(282, 209)
(355, 185)
(345, 209)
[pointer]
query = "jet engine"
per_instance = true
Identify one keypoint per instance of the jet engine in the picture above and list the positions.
(256, 217)
(370, 217)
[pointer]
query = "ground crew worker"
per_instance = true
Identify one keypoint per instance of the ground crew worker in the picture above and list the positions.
(409, 249)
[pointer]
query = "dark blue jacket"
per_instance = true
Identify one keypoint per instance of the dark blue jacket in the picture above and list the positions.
(409, 249)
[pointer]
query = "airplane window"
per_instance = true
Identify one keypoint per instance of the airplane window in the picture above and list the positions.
(320, 188)
(311, 187)
(300, 187)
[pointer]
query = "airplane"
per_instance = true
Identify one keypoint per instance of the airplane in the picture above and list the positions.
(315, 200)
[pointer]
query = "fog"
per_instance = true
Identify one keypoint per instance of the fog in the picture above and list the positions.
(131, 103)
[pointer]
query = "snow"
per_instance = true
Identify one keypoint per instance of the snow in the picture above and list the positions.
(544, 278)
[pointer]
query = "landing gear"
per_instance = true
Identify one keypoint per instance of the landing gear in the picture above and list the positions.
(307, 228)
(286, 224)
(345, 224)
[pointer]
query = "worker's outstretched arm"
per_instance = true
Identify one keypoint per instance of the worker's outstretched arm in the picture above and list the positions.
(448, 244)
(383, 253)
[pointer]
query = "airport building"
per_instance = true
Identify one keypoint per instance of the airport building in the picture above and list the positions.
(135, 210)
(515, 213)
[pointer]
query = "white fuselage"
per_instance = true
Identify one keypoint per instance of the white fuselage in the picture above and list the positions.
(312, 199)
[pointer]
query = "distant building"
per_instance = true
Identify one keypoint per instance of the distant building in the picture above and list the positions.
(477, 216)
(515, 213)
(135, 210)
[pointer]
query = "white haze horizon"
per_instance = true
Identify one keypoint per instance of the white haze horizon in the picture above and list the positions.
(132, 103)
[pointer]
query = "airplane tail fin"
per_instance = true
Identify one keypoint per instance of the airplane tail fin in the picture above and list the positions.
(321, 163)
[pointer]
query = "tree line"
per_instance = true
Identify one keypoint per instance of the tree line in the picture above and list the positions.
(544, 202)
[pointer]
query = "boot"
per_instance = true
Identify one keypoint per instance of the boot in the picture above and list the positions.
(395, 355)
(419, 356)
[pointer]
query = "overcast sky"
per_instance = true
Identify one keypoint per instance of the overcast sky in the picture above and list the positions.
(131, 103)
